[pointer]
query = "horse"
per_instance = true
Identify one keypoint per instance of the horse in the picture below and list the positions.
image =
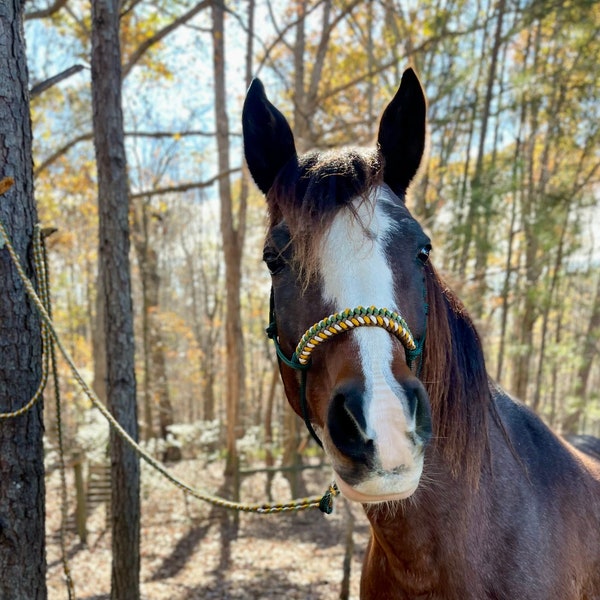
(468, 493)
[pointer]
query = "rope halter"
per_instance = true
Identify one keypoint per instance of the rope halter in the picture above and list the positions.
(348, 319)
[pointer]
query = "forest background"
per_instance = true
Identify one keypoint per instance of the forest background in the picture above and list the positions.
(509, 194)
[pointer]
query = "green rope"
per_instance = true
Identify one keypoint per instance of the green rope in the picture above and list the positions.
(294, 505)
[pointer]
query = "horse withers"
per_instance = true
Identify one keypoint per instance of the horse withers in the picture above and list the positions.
(469, 495)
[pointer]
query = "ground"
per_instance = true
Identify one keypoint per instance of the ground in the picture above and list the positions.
(190, 550)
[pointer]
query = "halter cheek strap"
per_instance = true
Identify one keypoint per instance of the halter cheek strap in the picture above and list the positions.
(339, 323)
(293, 363)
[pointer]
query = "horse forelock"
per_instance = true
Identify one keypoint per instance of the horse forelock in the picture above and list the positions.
(310, 190)
(455, 377)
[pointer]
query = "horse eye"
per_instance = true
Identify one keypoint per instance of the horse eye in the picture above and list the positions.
(423, 255)
(274, 261)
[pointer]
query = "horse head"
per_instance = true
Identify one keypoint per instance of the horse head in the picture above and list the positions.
(341, 238)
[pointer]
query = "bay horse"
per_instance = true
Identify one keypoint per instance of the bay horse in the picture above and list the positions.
(468, 493)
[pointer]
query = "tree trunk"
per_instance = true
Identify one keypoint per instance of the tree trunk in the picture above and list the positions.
(481, 194)
(22, 488)
(468, 221)
(233, 240)
(113, 210)
(508, 269)
(301, 126)
(140, 241)
(99, 343)
(525, 325)
(547, 304)
(268, 423)
(293, 431)
(156, 387)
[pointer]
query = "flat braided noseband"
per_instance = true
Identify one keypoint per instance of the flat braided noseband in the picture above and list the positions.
(336, 323)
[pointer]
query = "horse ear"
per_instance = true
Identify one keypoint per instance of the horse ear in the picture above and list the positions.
(268, 138)
(401, 135)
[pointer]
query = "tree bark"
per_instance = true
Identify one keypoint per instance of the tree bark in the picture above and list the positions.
(22, 488)
(99, 343)
(113, 209)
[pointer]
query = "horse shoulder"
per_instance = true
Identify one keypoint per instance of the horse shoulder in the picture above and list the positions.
(548, 500)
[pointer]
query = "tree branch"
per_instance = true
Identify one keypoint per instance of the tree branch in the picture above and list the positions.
(129, 7)
(62, 150)
(184, 187)
(282, 32)
(46, 12)
(160, 34)
(173, 134)
(144, 134)
(38, 88)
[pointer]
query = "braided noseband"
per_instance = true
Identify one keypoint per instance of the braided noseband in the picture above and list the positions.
(350, 319)
(339, 323)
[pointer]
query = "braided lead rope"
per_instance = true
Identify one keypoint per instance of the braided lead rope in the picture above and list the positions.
(324, 502)
(350, 319)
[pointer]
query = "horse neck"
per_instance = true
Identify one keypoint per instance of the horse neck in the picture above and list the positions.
(418, 543)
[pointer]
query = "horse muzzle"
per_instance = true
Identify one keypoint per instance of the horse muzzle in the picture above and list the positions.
(376, 438)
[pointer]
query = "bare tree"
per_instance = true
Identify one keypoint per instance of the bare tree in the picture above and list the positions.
(233, 241)
(590, 350)
(156, 388)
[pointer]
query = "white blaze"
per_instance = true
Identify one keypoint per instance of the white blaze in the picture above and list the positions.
(355, 272)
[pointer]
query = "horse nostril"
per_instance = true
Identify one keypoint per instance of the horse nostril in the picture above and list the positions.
(353, 403)
(418, 408)
(347, 424)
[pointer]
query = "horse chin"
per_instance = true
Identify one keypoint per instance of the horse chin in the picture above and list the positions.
(385, 487)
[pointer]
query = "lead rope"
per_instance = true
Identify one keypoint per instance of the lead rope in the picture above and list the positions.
(41, 265)
(323, 503)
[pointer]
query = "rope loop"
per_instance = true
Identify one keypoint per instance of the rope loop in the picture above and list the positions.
(38, 259)
(48, 357)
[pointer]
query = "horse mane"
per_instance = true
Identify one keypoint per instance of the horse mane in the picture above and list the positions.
(310, 189)
(456, 379)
